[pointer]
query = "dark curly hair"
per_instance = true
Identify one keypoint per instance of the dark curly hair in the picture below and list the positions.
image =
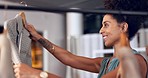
(134, 21)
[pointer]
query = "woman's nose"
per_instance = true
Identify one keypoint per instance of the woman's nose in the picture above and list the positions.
(101, 30)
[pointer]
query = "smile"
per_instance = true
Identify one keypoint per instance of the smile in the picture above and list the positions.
(104, 37)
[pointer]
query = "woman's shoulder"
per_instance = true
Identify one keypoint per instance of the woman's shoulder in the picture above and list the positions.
(140, 58)
(142, 64)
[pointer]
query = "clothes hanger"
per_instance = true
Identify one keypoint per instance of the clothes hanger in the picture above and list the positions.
(22, 14)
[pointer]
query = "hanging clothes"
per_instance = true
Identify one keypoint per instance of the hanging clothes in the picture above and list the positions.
(6, 66)
(19, 39)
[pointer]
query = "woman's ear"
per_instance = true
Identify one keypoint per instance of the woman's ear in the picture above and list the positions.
(124, 27)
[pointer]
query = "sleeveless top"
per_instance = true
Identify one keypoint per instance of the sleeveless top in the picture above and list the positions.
(113, 64)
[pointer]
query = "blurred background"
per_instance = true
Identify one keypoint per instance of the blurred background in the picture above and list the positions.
(71, 24)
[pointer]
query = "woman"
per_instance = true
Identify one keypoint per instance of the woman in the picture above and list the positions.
(113, 26)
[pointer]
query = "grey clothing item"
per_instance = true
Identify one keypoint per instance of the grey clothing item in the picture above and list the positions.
(19, 39)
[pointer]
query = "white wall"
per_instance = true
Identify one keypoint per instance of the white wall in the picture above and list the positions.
(54, 26)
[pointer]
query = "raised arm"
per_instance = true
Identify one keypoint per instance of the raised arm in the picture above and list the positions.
(66, 57)
(129, 63)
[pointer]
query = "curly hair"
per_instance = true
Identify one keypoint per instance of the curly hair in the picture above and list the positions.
(134, 21)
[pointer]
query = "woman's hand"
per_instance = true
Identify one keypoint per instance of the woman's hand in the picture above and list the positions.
(33, 33)
(25, 71)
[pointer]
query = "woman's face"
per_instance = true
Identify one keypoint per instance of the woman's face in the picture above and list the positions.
(110, 30)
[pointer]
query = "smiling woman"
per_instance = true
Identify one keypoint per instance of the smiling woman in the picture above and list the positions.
(133, 21)
(113, 26)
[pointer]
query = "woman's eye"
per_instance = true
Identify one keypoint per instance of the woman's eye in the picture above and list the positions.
(106, 25)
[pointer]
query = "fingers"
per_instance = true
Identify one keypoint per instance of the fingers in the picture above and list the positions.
(17, 75)
(16, 65)
(31, 30)
(17, 70)
(34, 35)
(25, 71)
(29, 27)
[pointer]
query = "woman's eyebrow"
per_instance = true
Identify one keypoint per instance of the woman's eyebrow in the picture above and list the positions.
(106, 22)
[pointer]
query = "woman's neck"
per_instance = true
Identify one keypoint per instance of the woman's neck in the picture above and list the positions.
(119, 46)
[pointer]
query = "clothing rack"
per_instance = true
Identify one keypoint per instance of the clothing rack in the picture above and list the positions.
(63, 10)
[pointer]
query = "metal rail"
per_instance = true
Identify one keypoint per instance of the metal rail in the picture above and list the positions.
(63, 10)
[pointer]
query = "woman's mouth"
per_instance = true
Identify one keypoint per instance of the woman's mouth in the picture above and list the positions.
(104, 38)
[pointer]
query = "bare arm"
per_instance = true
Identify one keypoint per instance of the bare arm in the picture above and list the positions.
(70, 59)
(25, 71)
(131, 66)
(66, 57)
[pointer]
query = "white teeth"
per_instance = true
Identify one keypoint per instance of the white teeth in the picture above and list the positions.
(104, 37)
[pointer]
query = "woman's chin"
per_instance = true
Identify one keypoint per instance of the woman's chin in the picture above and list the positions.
(108, 45)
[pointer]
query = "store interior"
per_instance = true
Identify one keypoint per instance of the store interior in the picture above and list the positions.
(65, 22)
